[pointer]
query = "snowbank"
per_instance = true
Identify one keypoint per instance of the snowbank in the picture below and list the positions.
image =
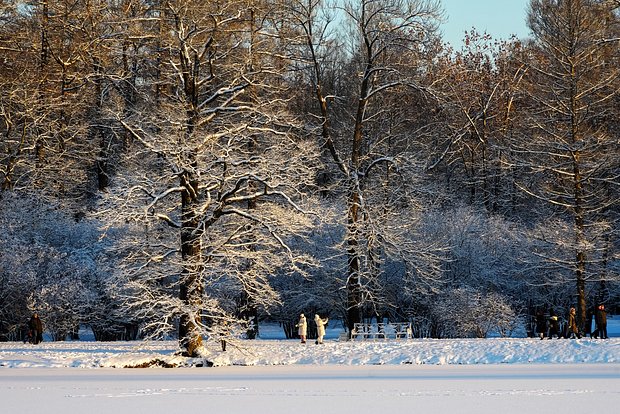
(291, 352)
(271, 349)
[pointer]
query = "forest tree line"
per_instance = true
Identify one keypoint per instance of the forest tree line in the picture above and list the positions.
(188, 168)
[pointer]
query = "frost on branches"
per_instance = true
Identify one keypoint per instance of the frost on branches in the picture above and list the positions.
(215, 183)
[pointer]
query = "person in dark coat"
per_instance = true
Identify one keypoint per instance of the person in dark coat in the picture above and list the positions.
(35, 327)
(541, 324)
(554, 325)
(601, 322)
(572, 329)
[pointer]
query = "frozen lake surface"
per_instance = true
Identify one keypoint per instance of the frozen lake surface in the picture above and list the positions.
(315, 389)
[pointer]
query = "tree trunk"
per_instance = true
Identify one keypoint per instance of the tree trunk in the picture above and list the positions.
(44, 56)
(191, 288)
(354, 295)
(580, 268)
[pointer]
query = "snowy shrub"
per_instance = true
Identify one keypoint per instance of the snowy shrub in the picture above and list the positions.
(466, 312)
(50, 265)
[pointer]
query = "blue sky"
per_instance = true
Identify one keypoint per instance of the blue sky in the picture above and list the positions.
(499, 18)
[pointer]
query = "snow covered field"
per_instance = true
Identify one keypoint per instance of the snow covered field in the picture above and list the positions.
(283, 376)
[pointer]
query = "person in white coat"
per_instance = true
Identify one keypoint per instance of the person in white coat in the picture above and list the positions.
(320, 328)
(302, 328)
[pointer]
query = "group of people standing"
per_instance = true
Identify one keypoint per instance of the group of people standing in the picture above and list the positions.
(34, 333)
(549, 327)
(600, 318)
(302, 328)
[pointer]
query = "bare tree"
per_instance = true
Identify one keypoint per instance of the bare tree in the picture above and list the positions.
(572, 80)
(219, 140)
(360, 126)
(49, 113)
(479, 94)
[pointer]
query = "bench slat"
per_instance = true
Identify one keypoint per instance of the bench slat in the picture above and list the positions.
(396, 330)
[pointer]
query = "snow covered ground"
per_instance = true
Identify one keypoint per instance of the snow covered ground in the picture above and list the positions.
(332, 352)
(275, 376)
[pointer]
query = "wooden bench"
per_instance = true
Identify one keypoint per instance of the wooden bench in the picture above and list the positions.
(398, 330)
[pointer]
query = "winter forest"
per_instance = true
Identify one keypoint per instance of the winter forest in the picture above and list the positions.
(188, 169)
